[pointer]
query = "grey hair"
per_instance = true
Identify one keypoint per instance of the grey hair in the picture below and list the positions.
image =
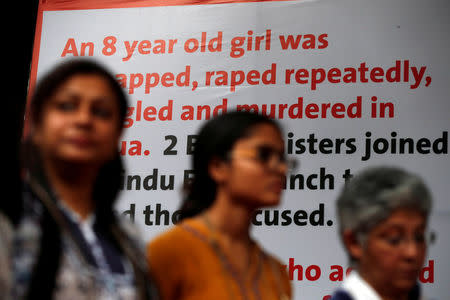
(372, 195)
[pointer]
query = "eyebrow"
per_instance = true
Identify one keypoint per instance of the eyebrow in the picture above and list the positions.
(402, 227)
(75, 95)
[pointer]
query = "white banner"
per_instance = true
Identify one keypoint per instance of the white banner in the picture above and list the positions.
(353, 83)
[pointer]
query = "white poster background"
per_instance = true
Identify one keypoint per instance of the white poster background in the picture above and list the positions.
(375, 32)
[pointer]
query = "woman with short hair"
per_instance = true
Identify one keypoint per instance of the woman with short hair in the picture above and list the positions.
(383, 214)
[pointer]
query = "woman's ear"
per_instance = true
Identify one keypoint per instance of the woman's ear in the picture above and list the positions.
(218, 170)
(354, 247)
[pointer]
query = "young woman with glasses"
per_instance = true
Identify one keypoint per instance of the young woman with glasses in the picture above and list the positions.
(239, 166)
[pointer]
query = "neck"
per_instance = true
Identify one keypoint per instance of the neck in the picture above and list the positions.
(393, 297)
(231, 219)
(74, 186)
(383, 292)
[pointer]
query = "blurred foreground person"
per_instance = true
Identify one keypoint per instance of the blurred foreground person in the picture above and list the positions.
(6, 241)
(239, 166)
(383, 214)
(68, 243)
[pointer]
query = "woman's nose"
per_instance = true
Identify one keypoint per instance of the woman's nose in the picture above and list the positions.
(83, 117)
(412, 249)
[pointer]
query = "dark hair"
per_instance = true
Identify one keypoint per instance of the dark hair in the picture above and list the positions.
(215, 140)
(106, 187)
(51, 81)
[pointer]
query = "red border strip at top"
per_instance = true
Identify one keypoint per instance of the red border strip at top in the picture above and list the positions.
(48, 5)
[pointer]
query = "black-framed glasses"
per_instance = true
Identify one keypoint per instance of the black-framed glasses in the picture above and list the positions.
(267, 156)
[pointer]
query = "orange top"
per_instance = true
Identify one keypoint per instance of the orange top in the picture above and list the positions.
(187, 266)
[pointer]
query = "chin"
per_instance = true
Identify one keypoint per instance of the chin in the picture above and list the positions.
(405, 285)
(271, 202)
(258, 203)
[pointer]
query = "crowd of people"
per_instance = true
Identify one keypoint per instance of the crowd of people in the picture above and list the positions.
(63, 240)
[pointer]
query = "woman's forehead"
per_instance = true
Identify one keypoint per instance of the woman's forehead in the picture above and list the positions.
(404, 218)
(262, 134)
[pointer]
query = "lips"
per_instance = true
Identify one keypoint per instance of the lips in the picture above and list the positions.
(409, 274)
(81, 142)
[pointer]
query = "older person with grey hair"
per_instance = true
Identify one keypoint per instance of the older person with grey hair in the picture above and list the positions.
(383, 214)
